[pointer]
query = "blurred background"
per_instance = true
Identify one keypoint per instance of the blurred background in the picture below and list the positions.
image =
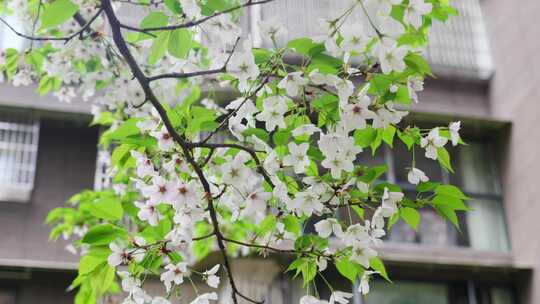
(487, 67)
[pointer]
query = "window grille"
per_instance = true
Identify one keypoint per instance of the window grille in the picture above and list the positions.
(458, 47)
(102, 177)
(8, 39)
(19, 136)
(484, 228)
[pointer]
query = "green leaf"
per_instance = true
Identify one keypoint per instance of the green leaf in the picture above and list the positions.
(402, 95)
(260, 133)
(309, 270)
(305, 46)
(152, 262)
(180, 42)
(376, 143)
(107, 208)
(153, 19)
(296, 264)
(426, 187)
(267, 225)
(360, 212)
(392, 220)
(89, 263)
(347, 269)
(444, 159)
(378, 265)
(407, 139)
(388, 135)
(120, 155)
(448, 213)
(281, 137)
(47, 84)
(452, 191)
(261, 55)
(373, 174)
(451, 202)
(364, 137)
(418, 64)
(174, 6)
(104, 119)
(57, 12)
(292, 224)
(128, 128)
(103, 234)
(159, 47)
(443, 11)
(102, 278)
(380, 84)
(411, 216)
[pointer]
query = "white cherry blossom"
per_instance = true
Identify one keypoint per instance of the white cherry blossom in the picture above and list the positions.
(415, 176)
(174, 274)
(297, 157)
(454, 128)
(164, 138)
(211, 278)
(391, 56)
(340, 297)
(274, 109)
(293, 83)
(432, 142)
(414, 12)
(205, 298)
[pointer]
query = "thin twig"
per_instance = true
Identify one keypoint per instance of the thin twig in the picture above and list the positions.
(222, 69)
(65, 38)
(139, 75)
(194, 22)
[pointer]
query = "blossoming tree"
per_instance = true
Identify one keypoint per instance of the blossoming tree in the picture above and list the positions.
(192, 173)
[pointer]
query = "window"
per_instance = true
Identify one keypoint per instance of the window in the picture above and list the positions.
(7, 296)
(420, 292)
(459, 47)
(18, 153)
(102, 178)
(402, 290)
(484, 227)
(408, 293)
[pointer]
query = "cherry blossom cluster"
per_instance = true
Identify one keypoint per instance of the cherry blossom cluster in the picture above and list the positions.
(191, 173)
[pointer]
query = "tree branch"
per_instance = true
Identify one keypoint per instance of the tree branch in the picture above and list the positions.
(223, 69)
(251, 152)
(194, 22)
(65, 38)
(186, 147)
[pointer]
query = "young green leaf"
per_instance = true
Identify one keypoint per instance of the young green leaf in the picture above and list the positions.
(57, 12)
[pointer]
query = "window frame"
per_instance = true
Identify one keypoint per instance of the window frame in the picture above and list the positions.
(19, 142)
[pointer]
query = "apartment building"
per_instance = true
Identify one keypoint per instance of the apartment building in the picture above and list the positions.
(487, 68)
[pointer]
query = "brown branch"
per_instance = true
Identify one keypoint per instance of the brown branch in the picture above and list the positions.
(265, 247)
(228, 116)
(194, 22)
(279, 250)
(250, 151)
(65, 38)
(222, 69)
(186, 147)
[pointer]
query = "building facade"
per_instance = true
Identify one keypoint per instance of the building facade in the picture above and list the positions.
(487, 67)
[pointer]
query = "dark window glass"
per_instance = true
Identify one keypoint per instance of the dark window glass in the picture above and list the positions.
(7, 296)
(403, 162)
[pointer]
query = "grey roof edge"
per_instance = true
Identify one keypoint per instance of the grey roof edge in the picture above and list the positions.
(38, 264)
(28, 98)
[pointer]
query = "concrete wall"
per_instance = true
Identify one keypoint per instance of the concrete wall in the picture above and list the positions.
(65, 165)
(515, 92)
